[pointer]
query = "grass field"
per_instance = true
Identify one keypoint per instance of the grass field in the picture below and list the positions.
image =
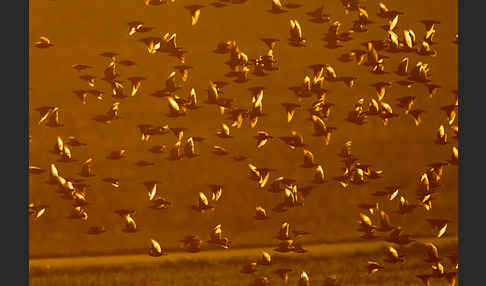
(347, 261)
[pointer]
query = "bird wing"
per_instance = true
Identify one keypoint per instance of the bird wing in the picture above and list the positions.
(195, 16)
(365, 219)
(307, 82)
(276, 4)
(261, 211)
(386, 107)
(263, 180)
(432, 250)
(226, 129)
(173, 104)
(442, 231)
(261, 143)
(308, 155)
(67, 152)
(320, 171)
(130, 221)
(319, 124)
(383, 8)
(393, 23)
(193, 97)
(254, 170)
(298, 29)
(384, 219)
(304, 276)
(45, 40)
(284, 230)
(258, 102)
(266, 256)
(290, 115)
(152, 192)
(60, 144)
(216, 233)
(408, 38)
(392, 251)
(40, 213)
(155, 245)
(203, 199)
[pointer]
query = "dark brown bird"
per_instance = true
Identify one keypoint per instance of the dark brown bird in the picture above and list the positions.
(284, 274)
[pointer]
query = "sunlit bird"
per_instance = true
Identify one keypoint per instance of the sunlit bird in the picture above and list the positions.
(155, 249)
(304, 279)
(43, 43)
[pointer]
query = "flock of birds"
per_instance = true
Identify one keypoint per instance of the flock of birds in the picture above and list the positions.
(372, 220)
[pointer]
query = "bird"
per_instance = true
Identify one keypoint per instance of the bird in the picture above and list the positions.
(219, 150)
(155, 249)
(405, 207)
(304, 279)
(373, 267)
(35, 170)
(37, 211)
(331, 280)
(136, 82)
(216, 237)
(392, 23)
(393, 256)
(114, 111)
(130, 225)
(86, 170)
(216, 192)
(290, 109)
(403, 66)
(118, 154)
(451, 111)
(441, 135)
(261, 213)
(283, 233)
(195, 13)
(277, 6)
(224, 132)
(203, 203)
(262, 138)
(261, 281)
(442, 231)
(265, 259)
(296, 37)
(284, 274)
(160, 203)
(308, 158)
(432, 253)
(134, 26)
(95, 230)
(43, 43)
(438, 270)
(455, 155)
(319, 177)
(429, 34)
(192, 243)
(397, 236)
(174, 107)
(50, 116)
(80, 67)
(385, 224)
(425, 278)
(249, 268)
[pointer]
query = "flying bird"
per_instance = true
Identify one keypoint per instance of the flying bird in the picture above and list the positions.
(43, 43)
(155, 249)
